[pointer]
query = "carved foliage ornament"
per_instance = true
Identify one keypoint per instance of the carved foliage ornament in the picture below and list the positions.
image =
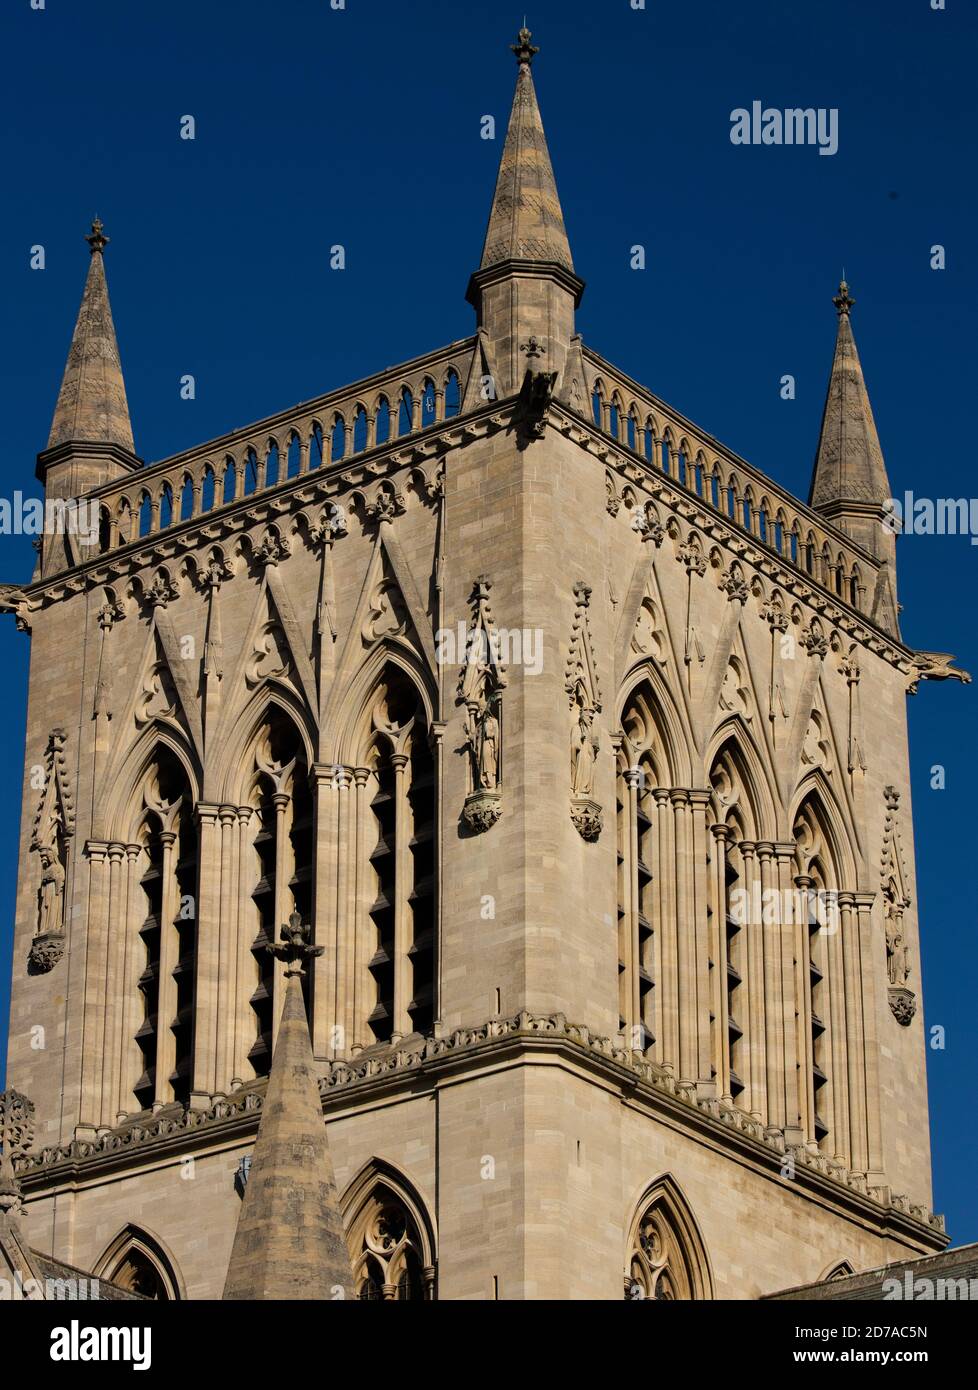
(273, 548)
(16, 1137)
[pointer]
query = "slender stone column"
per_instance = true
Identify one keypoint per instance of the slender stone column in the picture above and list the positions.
(752, 933)
(329, 999)
(436, 737)
(630, 1008)
(723, 1060)
(283, 900)
(205, 1081)
(794, 979)
(246, 924)
(360, 924)
(114, 999)
(667, 977)
(166, 1008)
(685, 939)
(774, 1008)
(402, 907)
(806, 1059)
(96, 989)
(855, 1039)
(838, 1050)
(132, 913)
(871, 975)
(226, 948)
(708, 1082)
(340, 813)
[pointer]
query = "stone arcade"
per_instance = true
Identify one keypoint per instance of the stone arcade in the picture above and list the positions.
(552, 1061)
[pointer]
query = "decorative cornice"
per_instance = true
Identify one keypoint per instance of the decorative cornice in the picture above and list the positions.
(289, 497)
(638, 1077)
(780, 570)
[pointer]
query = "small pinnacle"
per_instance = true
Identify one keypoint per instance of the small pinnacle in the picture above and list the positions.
(525, 51)
(843, 301)
(97, 240)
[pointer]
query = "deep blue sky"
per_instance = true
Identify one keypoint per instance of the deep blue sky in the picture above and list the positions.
(361, 127)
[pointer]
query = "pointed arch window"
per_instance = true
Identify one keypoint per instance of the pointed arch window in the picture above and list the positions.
(398, 953)
(666, 1259)
(453, 394)
(638, 859)
(391, 1249)
(137, 1262)
(281, 829)
(817, 884)
(167, 896)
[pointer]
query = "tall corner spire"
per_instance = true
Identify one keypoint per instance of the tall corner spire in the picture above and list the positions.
(526, 221)
(289, 1242)
(92, 407)
(849, 481)
(849, 465)
(525, 288)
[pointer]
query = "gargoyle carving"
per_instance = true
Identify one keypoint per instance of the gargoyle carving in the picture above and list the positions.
(935, 666)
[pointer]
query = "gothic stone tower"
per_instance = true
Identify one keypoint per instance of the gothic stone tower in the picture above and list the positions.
(581, 747)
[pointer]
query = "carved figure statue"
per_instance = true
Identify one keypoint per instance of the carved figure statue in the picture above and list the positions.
(585, 752)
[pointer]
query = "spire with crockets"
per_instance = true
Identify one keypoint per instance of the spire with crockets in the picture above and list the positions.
(525, 288)
(849, 482)
(92, 405)
(91, 438)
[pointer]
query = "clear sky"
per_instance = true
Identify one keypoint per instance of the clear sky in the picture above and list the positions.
(361, 126)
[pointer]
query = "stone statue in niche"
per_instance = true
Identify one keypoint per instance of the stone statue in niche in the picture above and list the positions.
(482, 806)
(50, 910)
(487, 736)
(585, 752)
(902, 1000)
(897, 956)
(481, 683)
(584, 698)
(53, 827)
(47, 946)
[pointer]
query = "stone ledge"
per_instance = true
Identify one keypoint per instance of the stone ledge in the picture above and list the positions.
(501, 1040)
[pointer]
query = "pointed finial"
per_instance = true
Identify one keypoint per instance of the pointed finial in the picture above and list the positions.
(525, 51)
(843, 301)
(97, 240)
(296, 946)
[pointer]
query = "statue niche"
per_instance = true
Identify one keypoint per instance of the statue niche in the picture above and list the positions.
(480, 688)
(896, 900)
(53, 825)
(584, 695)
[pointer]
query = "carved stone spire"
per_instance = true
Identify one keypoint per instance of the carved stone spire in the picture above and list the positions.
(92, 405)
(289, 1243)
(526, 221)
(525, 286)
(91, 437)
(849, 482)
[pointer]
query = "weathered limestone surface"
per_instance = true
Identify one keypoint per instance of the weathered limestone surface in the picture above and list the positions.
(546, 1044)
